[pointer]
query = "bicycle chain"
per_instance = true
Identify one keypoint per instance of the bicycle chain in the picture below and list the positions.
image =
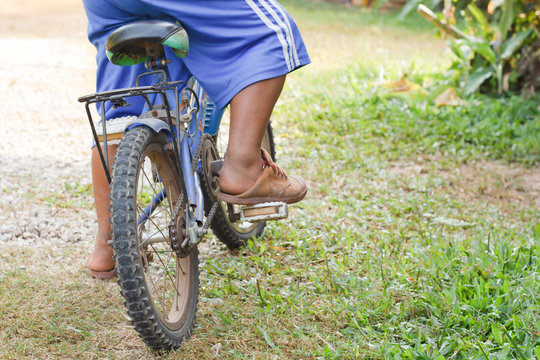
(175, 244)
(210, 216)
(197, 155)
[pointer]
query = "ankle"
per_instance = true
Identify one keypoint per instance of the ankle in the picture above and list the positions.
(237, 178)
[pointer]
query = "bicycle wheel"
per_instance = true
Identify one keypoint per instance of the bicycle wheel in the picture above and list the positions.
(229, 230)
(148, 217)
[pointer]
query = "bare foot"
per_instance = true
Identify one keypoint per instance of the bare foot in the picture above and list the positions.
(101, 259)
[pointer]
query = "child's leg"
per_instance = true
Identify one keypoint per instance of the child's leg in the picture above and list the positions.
(101, 258)
(247, 178)
(250, 112)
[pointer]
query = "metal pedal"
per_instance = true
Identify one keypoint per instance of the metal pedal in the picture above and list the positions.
(264, 212)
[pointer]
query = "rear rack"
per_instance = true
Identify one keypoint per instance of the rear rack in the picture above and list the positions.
(118, 99)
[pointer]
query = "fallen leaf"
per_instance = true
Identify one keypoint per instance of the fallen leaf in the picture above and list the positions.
(402, 85)
(448, 98)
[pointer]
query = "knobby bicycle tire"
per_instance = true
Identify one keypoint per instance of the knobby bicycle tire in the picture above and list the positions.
(160, 289)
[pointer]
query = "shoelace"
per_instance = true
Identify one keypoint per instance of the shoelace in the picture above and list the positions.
(269, 162)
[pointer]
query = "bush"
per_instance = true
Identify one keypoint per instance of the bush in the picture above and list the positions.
(496, 44)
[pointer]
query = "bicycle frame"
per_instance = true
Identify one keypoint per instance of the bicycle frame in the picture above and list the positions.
(197, 111)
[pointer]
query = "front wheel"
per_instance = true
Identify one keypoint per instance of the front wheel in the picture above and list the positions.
(148, 218)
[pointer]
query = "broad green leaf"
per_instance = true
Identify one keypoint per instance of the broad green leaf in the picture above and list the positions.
(461, 49)
(446, 348)
(477, 78)
(507, 17)
(483, 48)
(503, 353)
(510, 46)
(478, 14)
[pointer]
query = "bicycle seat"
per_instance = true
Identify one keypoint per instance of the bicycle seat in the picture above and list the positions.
(133, 43)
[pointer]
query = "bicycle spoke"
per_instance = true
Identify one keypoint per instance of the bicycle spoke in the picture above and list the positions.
(166, 270)
(150, 237)
(164, 288)
(155, 282)
(152, 187)
(152, 221)
(169, 252)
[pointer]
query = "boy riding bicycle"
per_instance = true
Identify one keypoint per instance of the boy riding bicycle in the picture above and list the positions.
(240, 51)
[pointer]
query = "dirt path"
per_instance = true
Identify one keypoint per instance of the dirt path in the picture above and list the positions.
(45, 64)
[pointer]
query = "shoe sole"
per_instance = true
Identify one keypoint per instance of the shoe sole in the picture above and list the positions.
(232, 199)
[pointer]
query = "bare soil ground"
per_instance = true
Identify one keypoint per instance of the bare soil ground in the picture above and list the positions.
(45, 64)
(493, 182)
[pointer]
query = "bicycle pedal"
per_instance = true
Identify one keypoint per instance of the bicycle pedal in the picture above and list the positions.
(264, 212)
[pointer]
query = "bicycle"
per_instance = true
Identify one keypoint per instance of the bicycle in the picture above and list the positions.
(164, 184)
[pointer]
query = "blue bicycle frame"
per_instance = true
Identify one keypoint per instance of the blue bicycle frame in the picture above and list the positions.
(200, 115)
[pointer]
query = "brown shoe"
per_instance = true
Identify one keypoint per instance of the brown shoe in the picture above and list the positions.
(271, 185)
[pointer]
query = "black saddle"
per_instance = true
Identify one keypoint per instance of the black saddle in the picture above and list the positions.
(134, 43)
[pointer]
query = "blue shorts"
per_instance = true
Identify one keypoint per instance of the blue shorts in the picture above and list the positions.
(233, 43)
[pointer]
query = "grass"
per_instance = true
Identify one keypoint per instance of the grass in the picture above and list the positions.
(419, 238)
(482, 127)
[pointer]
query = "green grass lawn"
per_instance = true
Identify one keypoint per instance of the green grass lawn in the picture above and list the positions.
(419, 237)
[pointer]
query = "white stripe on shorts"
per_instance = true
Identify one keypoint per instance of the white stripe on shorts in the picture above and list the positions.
(289, 31)
(284, 42)
(282, 26)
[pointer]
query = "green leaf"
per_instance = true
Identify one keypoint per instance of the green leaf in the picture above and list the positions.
(513, 342)
(507, 18)
(478, 14)
(497, 334)
(225, 319)
(537, 352)
(477, 78)
(461, 49)
(267, 337)
(510, 46)
(483, 48)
